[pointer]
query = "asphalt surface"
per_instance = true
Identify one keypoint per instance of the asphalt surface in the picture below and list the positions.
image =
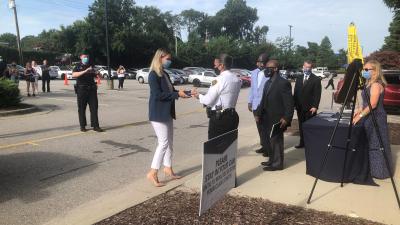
(48, 167)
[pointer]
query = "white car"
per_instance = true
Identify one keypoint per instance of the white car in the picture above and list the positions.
(321, 72)
(103, 71)
(142, 75)
(202, 78)
(60, 72)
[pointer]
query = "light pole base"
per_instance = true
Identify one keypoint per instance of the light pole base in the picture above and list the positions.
(110, 84)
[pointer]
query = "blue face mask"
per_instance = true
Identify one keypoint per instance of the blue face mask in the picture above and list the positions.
(366, 74)
(85, 61)
(167, 64)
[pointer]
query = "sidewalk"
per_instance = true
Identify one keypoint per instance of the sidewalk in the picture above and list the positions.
(292, 185)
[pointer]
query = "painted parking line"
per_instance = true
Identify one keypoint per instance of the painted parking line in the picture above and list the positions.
(36, 142)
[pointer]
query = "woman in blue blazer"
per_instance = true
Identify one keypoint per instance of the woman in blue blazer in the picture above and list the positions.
(161, 114)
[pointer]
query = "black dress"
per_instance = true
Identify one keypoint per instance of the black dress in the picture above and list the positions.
(376, 159)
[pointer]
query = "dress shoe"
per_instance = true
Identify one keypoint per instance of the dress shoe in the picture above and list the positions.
(271, 168)
(299, 146)
(266, 163)
(265, 154)
(98, 129)
(83, 129)
(261, 150)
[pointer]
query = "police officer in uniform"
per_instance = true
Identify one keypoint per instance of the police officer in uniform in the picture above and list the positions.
(221, 99)
(86, 90)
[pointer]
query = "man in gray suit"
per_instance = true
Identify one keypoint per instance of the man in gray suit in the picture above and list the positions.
(276, 107)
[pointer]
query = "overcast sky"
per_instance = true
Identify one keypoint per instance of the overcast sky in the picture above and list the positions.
(311, 19)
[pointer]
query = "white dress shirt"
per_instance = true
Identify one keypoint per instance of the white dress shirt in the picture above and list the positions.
(224, 92)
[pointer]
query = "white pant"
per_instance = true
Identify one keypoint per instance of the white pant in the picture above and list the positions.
(165, 134)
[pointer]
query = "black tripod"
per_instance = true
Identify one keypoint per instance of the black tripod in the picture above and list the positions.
(354, 83)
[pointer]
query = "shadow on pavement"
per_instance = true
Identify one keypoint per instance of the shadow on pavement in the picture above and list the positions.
(27, 176)
(25, 133)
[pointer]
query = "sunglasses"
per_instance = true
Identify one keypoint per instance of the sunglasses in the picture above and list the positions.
(366, 69)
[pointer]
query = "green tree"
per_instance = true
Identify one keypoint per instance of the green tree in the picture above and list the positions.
(392, 42)
(9, 38)
(312, 51)
(395, 4)
(326, 56)
(191, 19)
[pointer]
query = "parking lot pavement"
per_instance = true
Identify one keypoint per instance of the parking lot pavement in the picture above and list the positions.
(49, 169)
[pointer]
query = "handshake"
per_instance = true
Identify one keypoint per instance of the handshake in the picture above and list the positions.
(188, 94)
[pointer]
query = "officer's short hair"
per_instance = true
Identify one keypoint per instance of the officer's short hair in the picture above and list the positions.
(226, 60)
(263, 58)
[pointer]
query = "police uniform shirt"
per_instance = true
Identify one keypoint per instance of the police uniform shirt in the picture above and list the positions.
(87, 78)
(223, 92)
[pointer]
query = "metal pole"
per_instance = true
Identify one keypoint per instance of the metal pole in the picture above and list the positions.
(290, 37)
(110, 81)
(176, 44)
(13, 6)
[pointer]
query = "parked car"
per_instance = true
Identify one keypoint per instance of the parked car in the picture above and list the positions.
(284, 74)
(103, 71)
(63, 71)
(132, 73)
(391, 100)
(142, 75)
(321, 72)
(175, 77)
(20, 69)
(202, 78)
(246, 80)
(242, 72)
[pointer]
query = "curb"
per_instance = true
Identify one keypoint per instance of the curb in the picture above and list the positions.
(30, 109)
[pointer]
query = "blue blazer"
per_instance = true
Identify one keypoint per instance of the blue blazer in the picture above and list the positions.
(162, 100)
(256, 92)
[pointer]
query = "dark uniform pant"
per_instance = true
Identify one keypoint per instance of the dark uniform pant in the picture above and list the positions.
(262, 132)
(217, 126)
(303, 116)
(45, 80)
(87, 94)
(275, 148)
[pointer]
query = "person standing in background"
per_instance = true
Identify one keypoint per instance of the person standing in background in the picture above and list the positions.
(257, 86)
(307, 95)
(37, 69)
(45, 76)
(29, 74)
(121, 77)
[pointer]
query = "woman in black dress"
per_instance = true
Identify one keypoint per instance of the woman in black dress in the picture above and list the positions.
(29, 74)
(375, 89)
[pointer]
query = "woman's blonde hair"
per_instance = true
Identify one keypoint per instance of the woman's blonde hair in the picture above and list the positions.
(378, 69)
(156, 64)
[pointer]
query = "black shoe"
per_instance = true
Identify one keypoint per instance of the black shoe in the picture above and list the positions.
(33, 95)
(83, 129)
(266, 163)
(265, 154)
(271, 168)
(261, 150)
(29, 95)
(98, 129)
(299, 146)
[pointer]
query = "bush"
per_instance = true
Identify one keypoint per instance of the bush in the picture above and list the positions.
(9, 93)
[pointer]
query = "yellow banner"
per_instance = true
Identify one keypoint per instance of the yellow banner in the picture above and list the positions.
(354, 50)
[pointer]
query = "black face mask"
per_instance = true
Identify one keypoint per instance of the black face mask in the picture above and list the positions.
(216, 70)
(268, 72)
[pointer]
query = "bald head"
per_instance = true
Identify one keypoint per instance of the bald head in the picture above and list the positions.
(272, 63)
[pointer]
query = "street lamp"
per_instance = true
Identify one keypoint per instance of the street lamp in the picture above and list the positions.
(12, 5)
(290, 37)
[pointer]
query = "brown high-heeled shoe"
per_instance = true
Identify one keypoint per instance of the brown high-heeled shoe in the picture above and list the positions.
(152, 177)
(170, 173)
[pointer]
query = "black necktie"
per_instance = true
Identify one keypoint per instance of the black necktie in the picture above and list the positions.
(267, 85)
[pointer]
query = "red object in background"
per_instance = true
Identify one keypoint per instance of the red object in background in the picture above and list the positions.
(65, 79)
(98, 80)
(391, 99)
(392, 90)
(246, 81)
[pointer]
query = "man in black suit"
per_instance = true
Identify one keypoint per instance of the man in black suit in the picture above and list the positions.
(307, 95)
(276, 107)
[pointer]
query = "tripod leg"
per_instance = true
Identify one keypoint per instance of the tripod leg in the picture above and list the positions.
(349, 133)
(382, 147)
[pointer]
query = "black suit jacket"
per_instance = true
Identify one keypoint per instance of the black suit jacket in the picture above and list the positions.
(276, 102)
(307, 96)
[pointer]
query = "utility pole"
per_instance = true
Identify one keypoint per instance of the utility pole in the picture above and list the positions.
(176, 43)
(12, 5)
(290, 37)
(110, 81)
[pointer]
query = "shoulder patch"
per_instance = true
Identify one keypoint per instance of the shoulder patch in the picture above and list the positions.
(214, 82)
